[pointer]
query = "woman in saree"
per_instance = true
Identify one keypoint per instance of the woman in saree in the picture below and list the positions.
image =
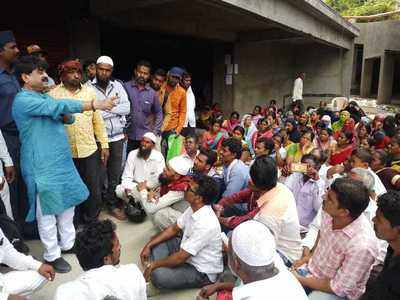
(213, 138)
(232, 122)
(338, 125)
(343, 149)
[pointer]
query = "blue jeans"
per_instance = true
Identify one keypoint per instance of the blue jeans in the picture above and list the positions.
(317, 295)
(180, 277)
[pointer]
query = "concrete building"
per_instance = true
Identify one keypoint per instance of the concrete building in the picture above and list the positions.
(377, 61)
(241, 52)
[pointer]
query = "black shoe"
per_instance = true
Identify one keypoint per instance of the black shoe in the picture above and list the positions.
(60, 265)
(70, 251)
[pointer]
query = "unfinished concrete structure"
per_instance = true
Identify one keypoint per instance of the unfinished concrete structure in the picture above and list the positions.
(241, 52)
(377, 61)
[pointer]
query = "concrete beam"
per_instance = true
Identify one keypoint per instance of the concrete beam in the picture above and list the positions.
(103, 6)
(289, 16)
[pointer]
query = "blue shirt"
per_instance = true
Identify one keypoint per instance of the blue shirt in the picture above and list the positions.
(146, 112)
(9, 87)
(236, 177)
(46, 160)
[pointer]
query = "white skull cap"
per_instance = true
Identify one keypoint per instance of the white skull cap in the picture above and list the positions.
(254, 244)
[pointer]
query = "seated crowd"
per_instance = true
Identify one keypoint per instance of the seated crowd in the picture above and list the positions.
(278, 204)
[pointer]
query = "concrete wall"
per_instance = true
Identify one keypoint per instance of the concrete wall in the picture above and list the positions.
(84, 39)
(378, 37)
(267, 71)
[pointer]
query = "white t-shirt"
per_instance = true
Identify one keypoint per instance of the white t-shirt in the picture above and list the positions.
(280, 287)
(202, 239)
(124, 282)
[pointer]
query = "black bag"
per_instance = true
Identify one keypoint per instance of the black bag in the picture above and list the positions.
(134, 211)
(13, 233)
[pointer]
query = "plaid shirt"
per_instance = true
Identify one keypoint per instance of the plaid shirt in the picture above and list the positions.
(345, 256)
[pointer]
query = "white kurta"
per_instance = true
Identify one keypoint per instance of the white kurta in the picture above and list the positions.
(190, 108)
(297, 89)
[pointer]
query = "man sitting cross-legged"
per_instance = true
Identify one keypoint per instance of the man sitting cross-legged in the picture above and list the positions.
(347, 247)
(143, 167)
(98, 251)
(166, 204)
(196, 259)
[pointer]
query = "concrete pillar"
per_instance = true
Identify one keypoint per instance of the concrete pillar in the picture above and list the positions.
(84, 38)
(386, 73)
(347, 63)
(366, 77)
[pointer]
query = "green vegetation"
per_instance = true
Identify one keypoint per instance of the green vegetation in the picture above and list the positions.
(362, 7)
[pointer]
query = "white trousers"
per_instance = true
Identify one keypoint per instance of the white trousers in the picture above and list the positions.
(52, 225)
(120, 192)
(21, 283)
(5, 197)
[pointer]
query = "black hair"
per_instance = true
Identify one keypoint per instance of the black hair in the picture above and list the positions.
(160, 72)
(207, 188)
(322, 155)
(262, 120)
(396, 139)
(268, 143)
(192, 136)
(264, 173)
(349, 135)
(210, 154)
(235, 113)
(272, 102)
(384, 157)
(328, 130)
(389, 126)
(352, 195)
(87, 63)
(311, 157)
(93, 243)
(143, 63)
(239, 128)
(363, 154)
(277, 135)
(234, 146)
(27, 64)
(186, 74)
(272, 114)
(308, 131)
(218, 120)
(366, 126)
(257, 106)
(389, 205)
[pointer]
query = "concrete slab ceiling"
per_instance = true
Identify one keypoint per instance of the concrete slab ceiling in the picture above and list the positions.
(232, 20)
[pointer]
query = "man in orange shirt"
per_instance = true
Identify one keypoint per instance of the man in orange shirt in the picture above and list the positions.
(173, 102)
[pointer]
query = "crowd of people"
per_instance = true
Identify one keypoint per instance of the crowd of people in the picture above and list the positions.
(282, 203)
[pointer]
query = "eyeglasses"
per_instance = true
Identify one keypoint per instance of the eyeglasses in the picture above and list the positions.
(189, 189)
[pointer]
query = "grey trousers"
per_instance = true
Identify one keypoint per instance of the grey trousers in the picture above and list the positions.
(181, 277)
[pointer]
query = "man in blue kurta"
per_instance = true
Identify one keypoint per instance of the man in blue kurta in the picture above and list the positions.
(54, 185)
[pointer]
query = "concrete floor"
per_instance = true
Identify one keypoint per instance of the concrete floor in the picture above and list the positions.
(132, 237)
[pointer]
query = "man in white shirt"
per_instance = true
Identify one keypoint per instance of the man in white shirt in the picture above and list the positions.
(8, 177)
(297, 94)
(143, 167)
(190, 122)
(98, 251)
(30, 276)
(167, 203)
(196, 260)
(251, 257)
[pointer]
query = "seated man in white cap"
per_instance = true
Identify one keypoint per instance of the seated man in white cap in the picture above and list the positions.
(142, 170)
(252, 257)
(115, 120)
(194, 260)
(167, 204)
(30, 276)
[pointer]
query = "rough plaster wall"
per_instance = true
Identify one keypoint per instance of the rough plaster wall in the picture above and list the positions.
(379, 36)
(267, 71)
